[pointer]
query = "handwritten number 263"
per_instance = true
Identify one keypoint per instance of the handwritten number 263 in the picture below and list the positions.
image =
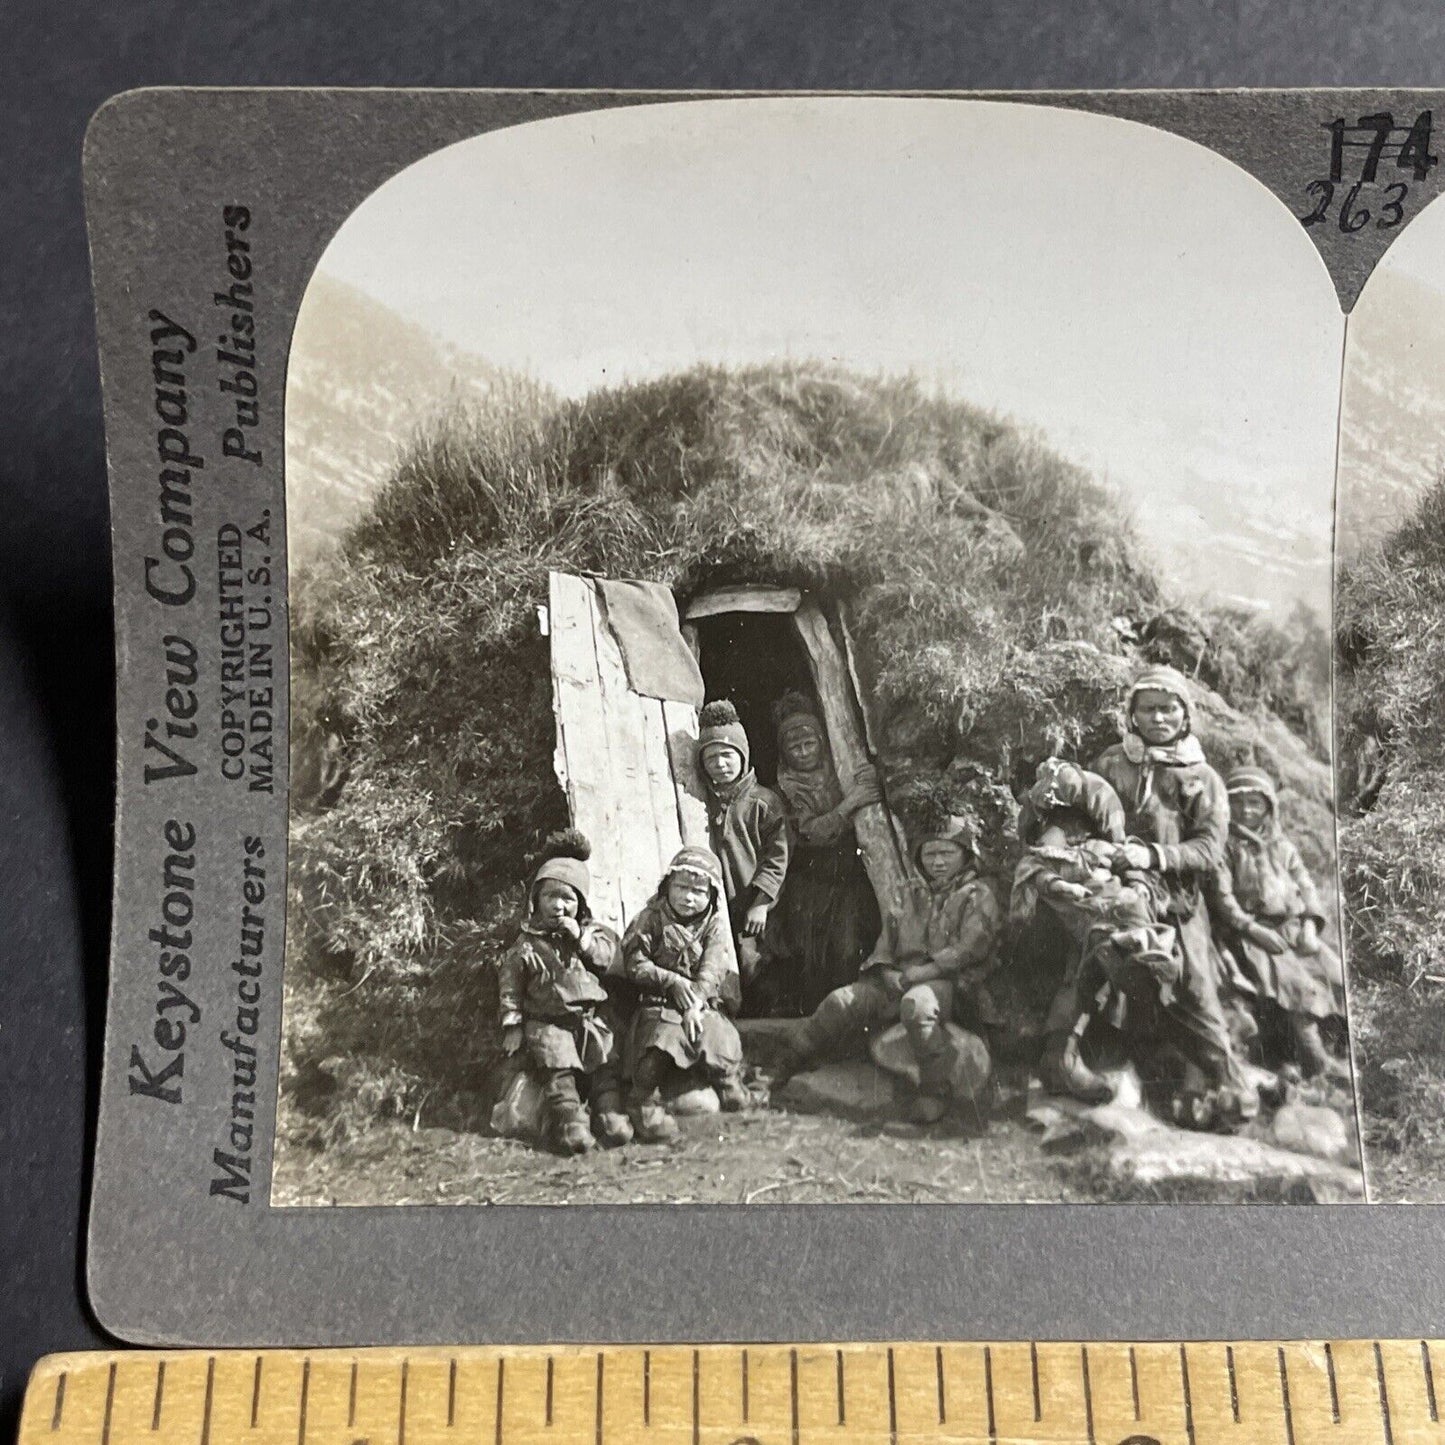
(1353, 216)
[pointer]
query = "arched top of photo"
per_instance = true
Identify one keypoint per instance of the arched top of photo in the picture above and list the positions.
(1143, 303)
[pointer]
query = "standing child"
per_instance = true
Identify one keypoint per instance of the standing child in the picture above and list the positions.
(937, 945)
(675, 952)
(748, 829)
(554, 1004)
(827, 917)
(1270, 919)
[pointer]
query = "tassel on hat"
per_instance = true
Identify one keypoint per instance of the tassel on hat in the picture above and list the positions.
(720, 727)
(564, 860)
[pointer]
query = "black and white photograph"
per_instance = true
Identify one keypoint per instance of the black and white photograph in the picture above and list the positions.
(811, 674)
(1390, 597)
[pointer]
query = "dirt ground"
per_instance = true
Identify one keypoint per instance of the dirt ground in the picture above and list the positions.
(765, 1157)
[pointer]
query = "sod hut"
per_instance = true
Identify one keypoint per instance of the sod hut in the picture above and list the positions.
(961, 601)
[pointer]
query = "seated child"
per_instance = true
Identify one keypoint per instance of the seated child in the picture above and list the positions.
(674, 952)
(747, 826)
(1071, 824)
(937, 944)
(554, 1004)
(1269, 920)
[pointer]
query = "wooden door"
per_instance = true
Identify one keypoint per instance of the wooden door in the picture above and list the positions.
(845, 719)
(627, 763)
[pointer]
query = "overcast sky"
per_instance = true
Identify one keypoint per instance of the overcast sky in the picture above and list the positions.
(1146, 304)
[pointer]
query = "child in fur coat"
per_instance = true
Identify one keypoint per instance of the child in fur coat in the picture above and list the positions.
(675, 952)
(554, 1004)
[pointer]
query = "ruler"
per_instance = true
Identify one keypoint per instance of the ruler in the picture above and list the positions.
(1093, 1393)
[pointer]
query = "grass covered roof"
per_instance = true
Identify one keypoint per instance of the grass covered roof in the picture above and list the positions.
(998, 596)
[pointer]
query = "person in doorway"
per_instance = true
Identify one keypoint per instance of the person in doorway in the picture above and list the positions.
(1269, 917)
(747, 826)
(827, 916)
(675, 951)
(1176, 814)
(936, 944)
(554, 1004)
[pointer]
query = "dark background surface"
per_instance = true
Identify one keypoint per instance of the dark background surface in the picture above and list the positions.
(56, 673)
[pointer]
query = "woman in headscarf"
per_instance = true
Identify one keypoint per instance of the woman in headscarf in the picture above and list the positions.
(827, 917)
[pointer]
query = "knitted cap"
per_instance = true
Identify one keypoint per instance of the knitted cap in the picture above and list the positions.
(719, 727)
(1253, 780)
(564, 860)
(949, 829)
(1057, 782)
(795, 710)
(701, 862)
(1161, 679)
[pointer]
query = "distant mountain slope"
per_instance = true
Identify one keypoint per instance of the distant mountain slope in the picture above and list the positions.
(361, 378)
(1392, 438)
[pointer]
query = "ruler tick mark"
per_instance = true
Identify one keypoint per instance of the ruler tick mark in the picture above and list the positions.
(401, 1405)
(892, 1399)
(1188, 1396)
(109, 1404)
(1034, 1372)
(452, 1394)
(1334, 1384)
(793, 1389)
(305, 1398)
(1429, 1381)
(1088, 1392)
(256, 1392)
(745, 1387)
(501, 1385)
(210, 1397)
(549, 1390)
(1284, 1396)
(160, 1395)
(1233, 1383)
(59, 1411)
(351, 1399)
(696, 1396)
(938, 1372)
(598, 1419)
(1384, 1395)
(647, 1389)
(988, 1392)
(1134, 1379)
(842, 1413)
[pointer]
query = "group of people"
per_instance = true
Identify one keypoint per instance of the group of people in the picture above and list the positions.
(1185, 926)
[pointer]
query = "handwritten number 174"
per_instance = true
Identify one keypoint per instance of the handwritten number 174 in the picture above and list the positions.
(1369, 141)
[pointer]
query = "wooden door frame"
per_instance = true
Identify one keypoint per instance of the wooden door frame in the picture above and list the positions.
(845, 719)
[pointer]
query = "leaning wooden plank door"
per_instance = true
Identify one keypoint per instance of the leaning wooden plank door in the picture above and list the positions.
(885, 862)
(626, 762)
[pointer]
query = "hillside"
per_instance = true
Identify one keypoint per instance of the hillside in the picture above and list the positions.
(1390, 701)
(1392, 430)
(361, 380)
(993, 591)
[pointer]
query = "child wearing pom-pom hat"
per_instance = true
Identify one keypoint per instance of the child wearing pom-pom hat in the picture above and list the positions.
(747, 825)
(553, 1001)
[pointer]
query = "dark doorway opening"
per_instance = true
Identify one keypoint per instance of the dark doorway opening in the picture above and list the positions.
(752, 658)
